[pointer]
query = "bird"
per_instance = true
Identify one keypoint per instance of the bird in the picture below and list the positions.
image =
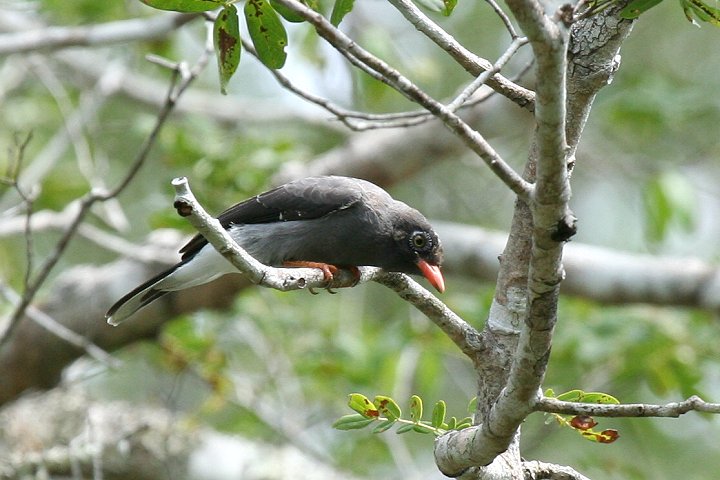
(327, 222)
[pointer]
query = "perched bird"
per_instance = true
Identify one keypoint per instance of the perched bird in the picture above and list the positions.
(325, 222)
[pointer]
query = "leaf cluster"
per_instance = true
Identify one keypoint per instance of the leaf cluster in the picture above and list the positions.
(384, 412)
(584, 424)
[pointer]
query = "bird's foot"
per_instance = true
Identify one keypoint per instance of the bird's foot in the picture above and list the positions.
(328, 270)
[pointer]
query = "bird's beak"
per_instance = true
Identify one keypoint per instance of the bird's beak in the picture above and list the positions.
(432, 273)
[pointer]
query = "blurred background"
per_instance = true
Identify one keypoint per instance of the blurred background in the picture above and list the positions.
(269, 374)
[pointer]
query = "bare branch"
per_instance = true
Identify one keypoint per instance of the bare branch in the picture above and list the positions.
(183, 77)
(393, 120)
(462, 333)
(505, 19)
(61, 331)
(468, 60)
(52, 38)
(473, 139)
(674, 409)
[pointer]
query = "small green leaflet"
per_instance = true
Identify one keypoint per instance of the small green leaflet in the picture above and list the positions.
(353, 421)
(340, 9)
(416, 408)
(438, 414)
(633, 9)
(701, 10)
(184, 5)
(693, 9)
(449, 7)
(226, 35)
(286, 13)
(267, 32)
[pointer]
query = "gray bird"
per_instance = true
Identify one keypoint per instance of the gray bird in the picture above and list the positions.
(325, 222)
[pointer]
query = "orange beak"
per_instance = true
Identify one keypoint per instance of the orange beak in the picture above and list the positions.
(432, 273)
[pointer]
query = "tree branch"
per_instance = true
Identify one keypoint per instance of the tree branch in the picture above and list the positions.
(472, 63)
(183, 77)
(473, 139)
(53, 38)
(286, 279)
(674, 409)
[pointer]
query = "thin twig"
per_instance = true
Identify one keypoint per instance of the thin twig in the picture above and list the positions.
(505, 19)
(13, 172)
(61, 331)
(52, 38)
(469, 61)
(181, 79)
(473, 139)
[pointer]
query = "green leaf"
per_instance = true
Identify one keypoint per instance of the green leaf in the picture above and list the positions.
(286, 13)
(452, 423)
(467, 421)
(598, 397)
(184, 5)
(387, 407)
(353, 421)
(701, 10)
(438, 414)
(633, 9)
(422, 428)
(362, 405)
(267, 33)
(669, 201)
(571, 396)
(340, 9)
(226, 35)
(382, 426)
(408, 427)
(416, 408)
(472, 405)
(449, 7)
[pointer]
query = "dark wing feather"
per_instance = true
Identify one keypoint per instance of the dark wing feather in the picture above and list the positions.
(304, 199)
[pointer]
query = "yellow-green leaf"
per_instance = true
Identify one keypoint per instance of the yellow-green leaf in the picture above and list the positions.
(387, 407)
(416, 408)
(449, 7)
(362, 405)
(701, 10)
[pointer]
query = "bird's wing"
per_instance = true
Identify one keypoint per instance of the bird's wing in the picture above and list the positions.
(304, 199)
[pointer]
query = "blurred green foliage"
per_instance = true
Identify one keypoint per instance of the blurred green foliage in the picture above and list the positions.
(276, 358)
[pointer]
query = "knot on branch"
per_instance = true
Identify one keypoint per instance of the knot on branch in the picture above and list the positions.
(183, 208)
(565, 228)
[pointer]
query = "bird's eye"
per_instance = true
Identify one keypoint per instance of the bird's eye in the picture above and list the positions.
(420, 241)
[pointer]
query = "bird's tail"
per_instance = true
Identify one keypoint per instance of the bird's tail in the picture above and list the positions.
(138, 298)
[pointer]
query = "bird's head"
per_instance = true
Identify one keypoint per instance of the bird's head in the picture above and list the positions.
(419, 247)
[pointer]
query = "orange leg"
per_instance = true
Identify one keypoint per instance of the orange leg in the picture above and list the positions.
(328, 270)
